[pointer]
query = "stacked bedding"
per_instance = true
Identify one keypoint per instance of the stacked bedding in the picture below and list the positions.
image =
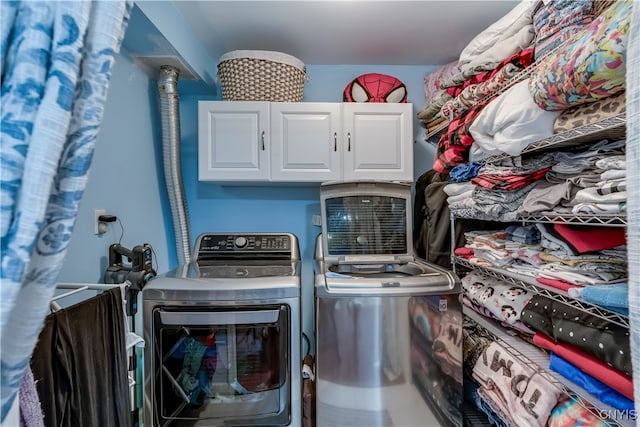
(570, 62)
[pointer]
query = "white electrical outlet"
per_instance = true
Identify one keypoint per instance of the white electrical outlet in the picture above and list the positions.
(96, 222)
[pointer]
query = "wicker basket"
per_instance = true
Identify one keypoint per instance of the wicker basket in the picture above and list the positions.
(259, 75)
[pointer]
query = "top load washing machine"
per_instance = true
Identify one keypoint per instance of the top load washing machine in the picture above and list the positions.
(223, 335)
(388, 324)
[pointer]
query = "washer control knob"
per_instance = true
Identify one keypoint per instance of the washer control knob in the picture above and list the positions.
(241, 242)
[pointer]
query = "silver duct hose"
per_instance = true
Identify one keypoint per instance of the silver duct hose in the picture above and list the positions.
(170, 116)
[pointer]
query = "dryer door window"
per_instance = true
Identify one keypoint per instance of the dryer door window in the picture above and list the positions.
(224, 364)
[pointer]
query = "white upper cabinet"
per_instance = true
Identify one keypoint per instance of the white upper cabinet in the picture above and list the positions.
(378, 140)
(233, 141)
(304, 141)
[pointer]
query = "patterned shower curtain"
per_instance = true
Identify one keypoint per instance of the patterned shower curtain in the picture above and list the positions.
(57, 58)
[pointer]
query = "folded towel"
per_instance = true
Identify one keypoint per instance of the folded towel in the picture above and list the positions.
(614, 297)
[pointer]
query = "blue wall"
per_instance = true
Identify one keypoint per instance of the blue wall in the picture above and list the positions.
(127, 177)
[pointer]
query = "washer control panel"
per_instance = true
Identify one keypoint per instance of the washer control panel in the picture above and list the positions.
(211, 245)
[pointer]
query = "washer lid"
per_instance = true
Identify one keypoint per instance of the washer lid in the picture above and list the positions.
(366, 222)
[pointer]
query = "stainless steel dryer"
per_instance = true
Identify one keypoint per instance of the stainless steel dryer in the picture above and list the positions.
(223, 335)
(388, 325)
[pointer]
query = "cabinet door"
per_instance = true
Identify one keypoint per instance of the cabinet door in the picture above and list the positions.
(304, 141)
(233, 141)
(378, 141)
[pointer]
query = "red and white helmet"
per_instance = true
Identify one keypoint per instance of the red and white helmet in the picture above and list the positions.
(375, 87)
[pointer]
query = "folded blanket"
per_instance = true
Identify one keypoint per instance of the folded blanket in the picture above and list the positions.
(570, 412)
(612, 162)
(502, 299)
(550, 239)
(592, 112)
(546, 196)
(502, 49)
(589, 364)
(509, 123)
(558, 284)
(434, 125)
(587, 67)
(475, 340)
(558, 20)
(509, 182)
(455, 188)
(447, 346)
(490, 404)
(612, 174)
(593, 195)
(599, 208)
(523, 233)
(433, 80)
(597, 388)
(585, 273)
(584, 161)
(601, 6)
(432, 108)
(604, 256)
(591, 239)
(519, 390)
(453, 145)
(518, 17)
(458, 197)
(611, 186)
(476, 92)
(593, 335)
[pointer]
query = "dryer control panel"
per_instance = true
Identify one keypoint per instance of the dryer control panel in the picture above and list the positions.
(246, 246)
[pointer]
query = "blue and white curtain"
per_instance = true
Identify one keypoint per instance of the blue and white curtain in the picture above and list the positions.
(633, 195)
(57, 58)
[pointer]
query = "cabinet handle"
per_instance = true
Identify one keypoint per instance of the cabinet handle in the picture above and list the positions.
(262, 137)
(335, 141)
(348, 141)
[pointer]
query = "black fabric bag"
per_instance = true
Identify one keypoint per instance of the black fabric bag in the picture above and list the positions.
(80, 365)
(432, 221)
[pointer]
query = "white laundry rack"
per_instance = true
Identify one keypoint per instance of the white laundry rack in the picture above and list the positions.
(79, 287)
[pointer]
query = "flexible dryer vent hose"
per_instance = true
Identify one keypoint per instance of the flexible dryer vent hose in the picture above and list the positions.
(170, 115)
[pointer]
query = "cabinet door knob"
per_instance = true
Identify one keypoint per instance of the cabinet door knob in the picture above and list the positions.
(335, 141)
(262, 137)
(348, 141)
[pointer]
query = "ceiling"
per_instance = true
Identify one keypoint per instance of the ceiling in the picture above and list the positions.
(380, 32)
